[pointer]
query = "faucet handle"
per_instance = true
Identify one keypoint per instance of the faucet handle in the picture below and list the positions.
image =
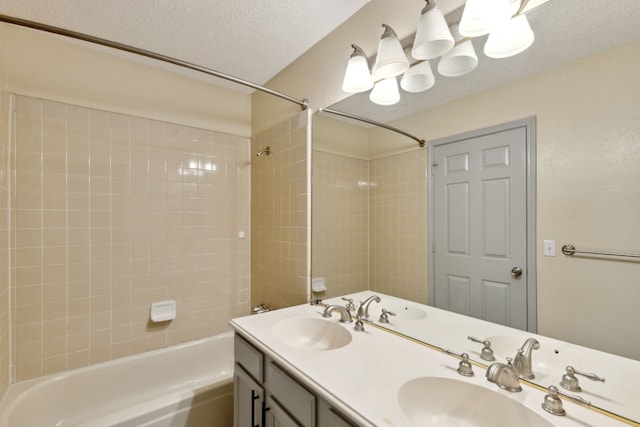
(487, 352)
(317, 301)
(350, 305)
(464, 368)
(359, 326)
(384, 316)
(553, 404)
(570, 382)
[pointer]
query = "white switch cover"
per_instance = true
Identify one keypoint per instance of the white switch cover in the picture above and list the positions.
(549, 248)
(241, 235)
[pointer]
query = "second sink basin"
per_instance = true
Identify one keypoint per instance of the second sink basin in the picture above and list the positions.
(311, 334)
(436, 401)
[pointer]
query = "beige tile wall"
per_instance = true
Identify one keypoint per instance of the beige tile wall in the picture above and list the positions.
(370, 224)
(398, 212)
(340, 223)
(280, 215)
(4, 244)
(113, 212)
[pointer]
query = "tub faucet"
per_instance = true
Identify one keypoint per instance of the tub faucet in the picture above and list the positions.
(504, 376)
(522, 361)
(345, 316)
(363, 310)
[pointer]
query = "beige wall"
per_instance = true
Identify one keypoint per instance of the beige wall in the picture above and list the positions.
(280, 221)
(4, 243)
(72, 72)
(113, 212)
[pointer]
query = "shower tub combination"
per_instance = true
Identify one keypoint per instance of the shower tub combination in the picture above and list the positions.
(187, 385)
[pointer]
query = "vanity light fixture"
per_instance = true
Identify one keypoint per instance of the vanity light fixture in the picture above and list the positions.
(460, 60)
(391, 60)
(357, 78)
(504, 21)
(385, 92)
(418, 78)
(510, 38)
(433, 37)
(479, 17)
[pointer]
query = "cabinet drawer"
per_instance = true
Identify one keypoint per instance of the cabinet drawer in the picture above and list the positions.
(250, 358)
(297, 400)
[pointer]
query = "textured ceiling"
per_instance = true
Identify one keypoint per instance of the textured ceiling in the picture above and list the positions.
(564, 30)
(252, 40)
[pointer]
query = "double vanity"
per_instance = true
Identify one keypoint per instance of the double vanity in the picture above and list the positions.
(296, 367)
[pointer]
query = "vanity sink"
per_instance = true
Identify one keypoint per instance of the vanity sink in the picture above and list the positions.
(436, 401)
(402, 311)
(311, 334)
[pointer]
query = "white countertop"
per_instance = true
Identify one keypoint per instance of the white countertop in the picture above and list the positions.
(362, 379)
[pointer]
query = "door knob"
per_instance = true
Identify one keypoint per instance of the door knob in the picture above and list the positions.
(516, 272)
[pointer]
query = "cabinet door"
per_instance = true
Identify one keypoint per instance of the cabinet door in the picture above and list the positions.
(330, 417)
(278, 417)
(248, 402)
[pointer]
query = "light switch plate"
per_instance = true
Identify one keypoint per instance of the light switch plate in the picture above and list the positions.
(549, 248)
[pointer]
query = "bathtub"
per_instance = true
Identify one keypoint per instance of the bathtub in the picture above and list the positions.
(188, 385)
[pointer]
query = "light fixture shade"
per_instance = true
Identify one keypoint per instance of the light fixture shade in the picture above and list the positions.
(418, 78)
(433, 37)
(481, 16)
(357, 77)
(460, 60)
(385, 92)
(514, 6)
(510, 38)
(391, 60)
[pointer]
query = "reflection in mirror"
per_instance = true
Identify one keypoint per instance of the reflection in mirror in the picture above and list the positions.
(369, 210)
(580, 82)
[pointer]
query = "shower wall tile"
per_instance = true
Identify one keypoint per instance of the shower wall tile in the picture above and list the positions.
(112, 213)
(398, 252)
(355, 246)
(5, 325)
(340, 223)
(279, 218)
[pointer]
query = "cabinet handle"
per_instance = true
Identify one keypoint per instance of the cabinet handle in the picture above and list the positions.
(254, 396)
(265, 408)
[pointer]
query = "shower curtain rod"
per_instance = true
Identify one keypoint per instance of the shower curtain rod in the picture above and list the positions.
(115, 45)
(421, 142)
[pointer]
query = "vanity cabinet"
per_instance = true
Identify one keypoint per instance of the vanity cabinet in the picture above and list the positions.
(249, 407)
(266, 395)
(249, 404)
(328, 416)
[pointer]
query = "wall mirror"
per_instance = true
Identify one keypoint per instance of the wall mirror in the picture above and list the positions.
(584, 92)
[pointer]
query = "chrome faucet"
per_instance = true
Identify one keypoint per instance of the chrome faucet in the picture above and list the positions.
(522, 361)
(345, 316)
(504, 376)
(363, 310)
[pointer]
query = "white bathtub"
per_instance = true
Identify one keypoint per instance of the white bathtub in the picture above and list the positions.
(188, 385)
